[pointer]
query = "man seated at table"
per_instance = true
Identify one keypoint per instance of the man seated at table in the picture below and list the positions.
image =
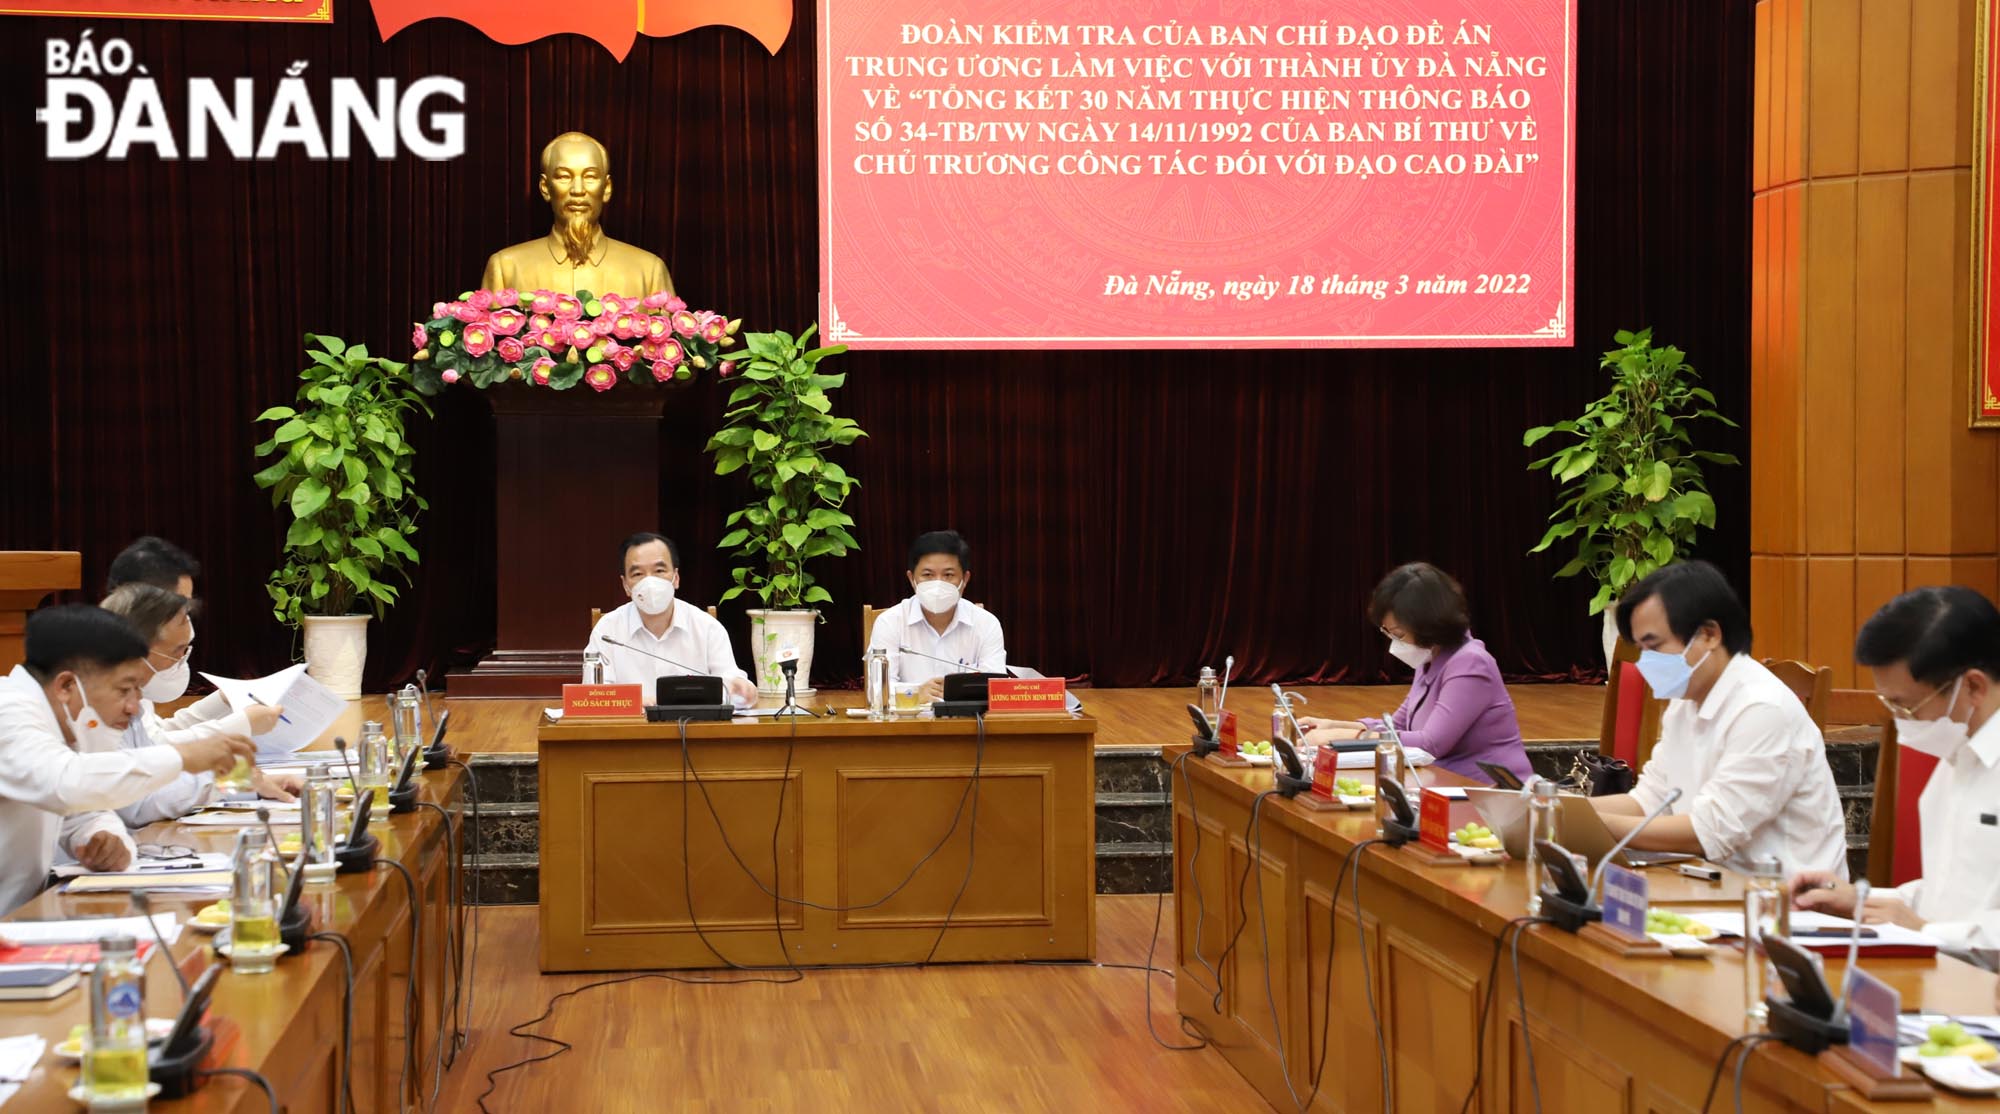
(1748, 760)
(1935, 653)
(655, 635)
(61, 713)
(937, 630)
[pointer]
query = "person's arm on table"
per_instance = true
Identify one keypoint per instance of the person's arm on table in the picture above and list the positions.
(38, 769)
(1747, 789)
(98, 840)
(1455, 704)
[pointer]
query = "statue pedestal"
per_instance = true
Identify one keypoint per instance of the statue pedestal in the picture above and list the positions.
(577, 471)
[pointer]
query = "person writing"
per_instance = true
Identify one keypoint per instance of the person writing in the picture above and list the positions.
(1748, 760)
(655, 625)
(61, 712)
(1457, 710)
(1935, 653)
(161, 617)
(937, 626)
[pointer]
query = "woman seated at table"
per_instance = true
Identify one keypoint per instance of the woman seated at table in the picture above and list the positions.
(1458, 710)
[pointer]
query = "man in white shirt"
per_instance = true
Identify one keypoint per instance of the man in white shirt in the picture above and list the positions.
(78, 688)
(1747, 758)
(1935, 653)
(937, 631)
(654, 625)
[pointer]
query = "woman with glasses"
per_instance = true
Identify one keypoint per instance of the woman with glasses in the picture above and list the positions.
(161, 618)
(1458, 711)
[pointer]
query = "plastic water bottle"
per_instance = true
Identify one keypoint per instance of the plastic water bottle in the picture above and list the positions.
(1541, 826)
(253, 923)
(877, 675)
(408, 717)
(378, 757)
(114, 1062)
(1765, 912)
(593, 667)
(1391, 764)
(319, 818)
(1208, 695)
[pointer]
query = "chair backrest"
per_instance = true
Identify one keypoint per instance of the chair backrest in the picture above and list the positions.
(1631, 722)
(1895, 837)
(868, 617)
(1813, 687)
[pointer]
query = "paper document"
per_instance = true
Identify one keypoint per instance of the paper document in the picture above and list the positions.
(18, 1057)
(553, 713)
(206, 860)
(91, 930)
(185, 881)
(310, 707)
(1885, 935)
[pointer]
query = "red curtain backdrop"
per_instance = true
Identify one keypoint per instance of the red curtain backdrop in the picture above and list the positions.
(1135, 515)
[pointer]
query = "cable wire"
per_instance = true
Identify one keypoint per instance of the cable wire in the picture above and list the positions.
(346, 1020)
(1527, 1030)
(410, 983)
(245, 1073)
(469, 978)
(1517, 925)
(1368, 984)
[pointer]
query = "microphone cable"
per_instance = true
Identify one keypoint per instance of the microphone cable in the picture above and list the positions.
(687, 871)
(454, 958)
(1242, 893)
(245, 1073)
(1517, 925)
(468, 977)
(346, 1021)
(1748, 1042)
(410, 983)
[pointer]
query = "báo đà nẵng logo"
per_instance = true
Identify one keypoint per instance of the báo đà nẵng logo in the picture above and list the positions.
(614, 24)
(101, 102)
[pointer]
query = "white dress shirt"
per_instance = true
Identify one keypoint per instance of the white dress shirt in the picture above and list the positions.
(973, 637)
(43, 780)
(1752, 772)
(695, 638)
(1959, 894)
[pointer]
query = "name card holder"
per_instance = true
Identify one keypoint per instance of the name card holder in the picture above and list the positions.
(604, 702)
(1026, 696)
(1322, 798)
(1867, 1062)
(1433, 846)
(1623, 929)
(1227, 735)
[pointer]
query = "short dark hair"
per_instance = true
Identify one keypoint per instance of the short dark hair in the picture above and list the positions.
(946, 542)
(1694, 593)
(1426, 602)
(151, 560)
(146, 607)
(79, 634)
(647, 537)
(1936, 633)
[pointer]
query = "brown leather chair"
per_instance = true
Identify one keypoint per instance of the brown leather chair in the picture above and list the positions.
(1631, 724)
(868, 617)
(1813, 687)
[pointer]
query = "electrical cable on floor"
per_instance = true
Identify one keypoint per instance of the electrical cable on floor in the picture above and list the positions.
(1159, 907)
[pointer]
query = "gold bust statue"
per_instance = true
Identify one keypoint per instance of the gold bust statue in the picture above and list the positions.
(576, 254)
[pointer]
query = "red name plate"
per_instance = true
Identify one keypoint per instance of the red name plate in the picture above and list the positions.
(1326, 767)
(1006, 695)
(1225, 732)
(1434, 823)
(604, 701)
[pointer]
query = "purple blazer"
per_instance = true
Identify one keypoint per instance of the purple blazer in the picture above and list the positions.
(1459, 711)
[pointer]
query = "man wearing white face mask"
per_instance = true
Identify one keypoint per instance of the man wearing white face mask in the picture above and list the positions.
(61, 713)
(937, 630)
(161, 617)
(1748, 760)
(655, 626)
(1935, 653)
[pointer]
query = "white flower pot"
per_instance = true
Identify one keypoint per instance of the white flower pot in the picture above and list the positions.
(1610, 635)
(773, 632)
(336, 649)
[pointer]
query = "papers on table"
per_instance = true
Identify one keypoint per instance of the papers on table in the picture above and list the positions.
(18, 1057)
(310, 706)
(1365, 759)
(552, 713)
(1915, 1028)
(178, 882)
(1819, 931)
(207, 860)
(282, 816)
(91, 929)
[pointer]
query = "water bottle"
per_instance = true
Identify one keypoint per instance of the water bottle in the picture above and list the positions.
(408, 716)
(253, 923)
(377, 758)
(1541, 826)
(593, 667)
(877, 674)
(1765, 911)
(114, 1060)
(1391, 764)
(1208, 695)
(319, 820)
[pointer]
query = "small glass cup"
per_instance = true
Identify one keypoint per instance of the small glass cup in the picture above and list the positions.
(909, 697)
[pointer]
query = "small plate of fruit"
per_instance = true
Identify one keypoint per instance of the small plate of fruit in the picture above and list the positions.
(1354, 793)
(1478, 844)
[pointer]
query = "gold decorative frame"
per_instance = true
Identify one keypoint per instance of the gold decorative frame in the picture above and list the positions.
(1983, 388)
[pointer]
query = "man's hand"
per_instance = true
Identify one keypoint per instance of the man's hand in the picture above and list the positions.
(1316, 723)
(743, 691)
(933, 690)
(263, 717)
(283, 788)
(216, 754)
(1329, 733)
(1820, 892)
(1890, 909)
(105, 851)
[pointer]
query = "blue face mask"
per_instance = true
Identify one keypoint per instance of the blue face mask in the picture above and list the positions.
(1668, 674)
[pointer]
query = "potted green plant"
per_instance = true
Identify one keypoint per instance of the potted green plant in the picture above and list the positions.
(1633, 494)
(343, 471)
(777, 429)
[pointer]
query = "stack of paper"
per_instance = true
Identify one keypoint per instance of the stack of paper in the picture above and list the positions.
(18, 1057)
(310, 708)
(91, 929)
(1820, 932)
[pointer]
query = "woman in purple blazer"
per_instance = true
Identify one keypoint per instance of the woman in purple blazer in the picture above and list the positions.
(1458, 709)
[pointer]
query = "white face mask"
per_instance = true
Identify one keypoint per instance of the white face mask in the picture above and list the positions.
(92, 734)
(1940, 738)
(654, 595)
(1416, 657)
(938, 597)
(167, 684)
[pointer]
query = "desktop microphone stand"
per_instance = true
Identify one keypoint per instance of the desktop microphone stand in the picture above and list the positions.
(791, 707)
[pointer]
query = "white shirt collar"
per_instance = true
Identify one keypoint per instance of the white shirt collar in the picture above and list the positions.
(1734, 676)
(920, 617)
(679, 619)
(1986, 742)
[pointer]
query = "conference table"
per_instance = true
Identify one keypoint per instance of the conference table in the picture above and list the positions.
(287, 1025)
(1606, 1033)
(823, 840)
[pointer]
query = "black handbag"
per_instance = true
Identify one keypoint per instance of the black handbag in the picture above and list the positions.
(1600, 775)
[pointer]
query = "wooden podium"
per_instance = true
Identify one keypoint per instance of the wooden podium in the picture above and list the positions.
(26, 579)
(576, 472)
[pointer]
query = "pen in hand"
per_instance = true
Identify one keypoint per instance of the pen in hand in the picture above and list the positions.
(282, 718)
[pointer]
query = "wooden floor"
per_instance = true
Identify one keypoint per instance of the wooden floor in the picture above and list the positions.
(1125, 717)
(968, 1038)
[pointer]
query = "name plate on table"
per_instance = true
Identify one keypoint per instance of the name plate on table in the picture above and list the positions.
(1625, 899)
(1225, 732)
(1326, 768)
(1006, 695)
(604, 702)
(1872, 1009)
(1433, 821)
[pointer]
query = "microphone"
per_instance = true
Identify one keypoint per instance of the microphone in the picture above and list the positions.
(1222, 699)
(424, 687)
(264, 818)
(961, 666)
(143, 901)
(1853, 946)
(1597, 877)
(340, 744)
(610, 641)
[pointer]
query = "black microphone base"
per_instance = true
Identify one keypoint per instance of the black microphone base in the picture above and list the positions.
(437, 757)
(357, 858)
(1393, 833)
(176, 1074)
(293, 930)
(1289, 786)
(958, 709)
(404, 799)
(1570, 916)
(1810, 1035)
(1204, 746)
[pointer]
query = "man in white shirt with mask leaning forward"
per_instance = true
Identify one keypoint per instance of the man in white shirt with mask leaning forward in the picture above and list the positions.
(61, 715)
(937, 630)
(656, 635)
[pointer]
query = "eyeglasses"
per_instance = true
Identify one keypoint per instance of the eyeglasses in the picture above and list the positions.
(172, 659)
(1900, 712)
(166, 851)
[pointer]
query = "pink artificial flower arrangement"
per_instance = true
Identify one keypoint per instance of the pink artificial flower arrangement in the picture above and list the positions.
(545, 338)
